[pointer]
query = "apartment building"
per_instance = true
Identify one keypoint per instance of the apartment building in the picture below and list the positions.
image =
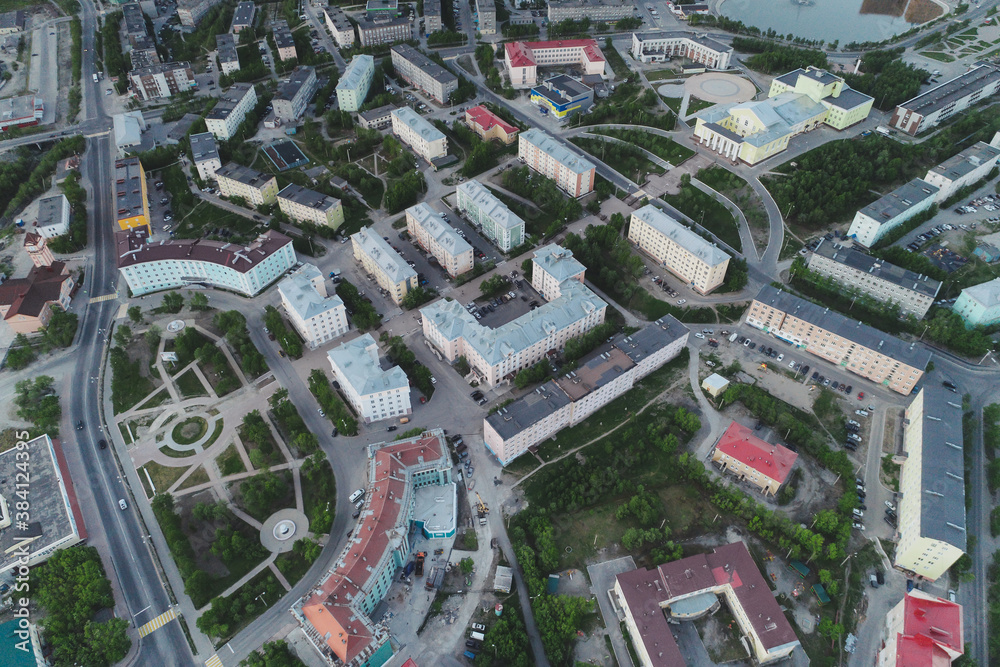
(290, 101)
(305, 205)
(967, 167)
(432, 16)
(423, 73)
(26, 303)
(856, 347)
(700, 264)
(339, 26)
(495, 220)
(853, 270)
(573, 173)
(161, 80)
(943, 101)
(319, 317)
(551, 266)
(486, 16)
(384, 264)
(599, 378)
(890, 211)
(488, 125)
(931, 507)
(409, 487)
(352, 89)
(250, 185)
(921, 630)
(497, 355)
(226, 54)
(438, 238)
(231, 110)
(284, 41)
(979, 305)
(205, 155)
(246, 270)
(131, 199)
(53, 216)
(661, 46)
(690, 588)
(416, 132)
(190, 12)
(374, 393)
(522, 59)
(751, 460)
(598, 11)
(563, 96)
(376, 119)
(372, 33)
(12, 22)
(243, 17)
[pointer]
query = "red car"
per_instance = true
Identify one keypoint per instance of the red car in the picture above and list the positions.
(861, 395)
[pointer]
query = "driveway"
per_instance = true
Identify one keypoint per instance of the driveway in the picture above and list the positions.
(602, 579)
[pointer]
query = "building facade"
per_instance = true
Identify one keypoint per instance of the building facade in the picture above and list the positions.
(319, 317)
(432, 16)
(439, 239)
(21, 111)
(339, 26)
(162, 80)
(372, 33)
(932, 527)
(375, 394)
(53, 216)
(416, 132)
(573, 173)
(979, 305)
(243, 17)
(305, 205)
(421, 72)
(290, 101)
(231, 110)
(205, 155)
(38, 249)
(26, 304)
(254, 187)
(676, 248)
(131, 198)
(921, 630)
(376, 119)
(384, 264)
(943, 101)
(856, 347)
(522, 59)
(151, 267)
(890, 211)
(352, 89)
(551, 266)
(562, 96)
(751, 460)
(598, 11)
(967, 167)
(488, 125)
(486, 16)
(658, 47)
(497, 222)
(914, 293)
(190, 12)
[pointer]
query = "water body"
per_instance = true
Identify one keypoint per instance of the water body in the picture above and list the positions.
(818, 19)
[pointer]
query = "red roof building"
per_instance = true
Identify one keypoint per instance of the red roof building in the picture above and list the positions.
(26, 303)
(753, 460)
(488, 125)
(922, 631)
(524, 58)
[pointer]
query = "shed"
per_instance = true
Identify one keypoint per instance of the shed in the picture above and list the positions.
(820, 593)
(714, 384)
(799, 567)
(987, 252)
(502, 578)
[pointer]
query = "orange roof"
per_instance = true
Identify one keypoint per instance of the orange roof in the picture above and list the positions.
(486, 119)
(740, 443)
(519, 53)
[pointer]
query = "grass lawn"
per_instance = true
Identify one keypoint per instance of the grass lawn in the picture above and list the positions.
(190, 430)
(199, 476)
(625, 158)
(156, 400)
(661, 75)
(940, 57)
(695, 105)
(790, 247)
(712, 214)
(662, 147)
(162, 476)
(174, 454)
(535, 220)
(522, 465)
(190, 386)
(229, 462)
(673, 102)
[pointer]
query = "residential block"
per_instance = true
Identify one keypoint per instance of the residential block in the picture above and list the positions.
(385, 265)
(319, 317)
(700, 264)
(231, 110)
(573, 173)
(254, 187)
(305, 205)
(131, 200)
(416, 132)
(496, 221)
(439, 239)
(374, 393)
(352, 89)
(420, 71)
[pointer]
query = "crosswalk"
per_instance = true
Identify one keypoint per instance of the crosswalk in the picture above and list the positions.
(157, 622)
(106, 297)
(213, 661)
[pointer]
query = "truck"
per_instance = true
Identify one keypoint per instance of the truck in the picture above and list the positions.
(883, 130)
(419, 563)
(408, 569)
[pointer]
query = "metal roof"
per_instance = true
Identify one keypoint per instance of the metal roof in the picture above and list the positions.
(418, 123)
(966, 161)
(299, 290)
(900, 200)
(942, 473)
(359, 366)
(486, 201)
(879, 268)
(382, 253)
(203, 147)
(547, 144)
(443, 233)
(938, 97)
(558, 262)
(681, 235)
(359, 67)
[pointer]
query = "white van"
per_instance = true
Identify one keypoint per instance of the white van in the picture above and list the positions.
(478, 636)
(356, 495)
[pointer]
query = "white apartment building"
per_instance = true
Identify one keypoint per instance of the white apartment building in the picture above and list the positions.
(598, 11)
(421, 72)
(352, 89)
(932, 528)
(965, 168)
(416, 132)
(432, 16)
(943, 101)
(319, 317)
(375, 394)
(339, 26)
(572, 172)
(376, 119)
(250, 185)
(551, 266)
(486, 13)
(498, 355)
(53, 216)
(685, 254)
(305, 205)
(438, 238)
(229, 59)
(913, 292)
(598, 379)
(190, 11)
(205, 155)
(290, 101)
(151, 267)
(496, 221)
(882, 216)
(231, 110)
(284, 41)
(660, 46)
(384, 264)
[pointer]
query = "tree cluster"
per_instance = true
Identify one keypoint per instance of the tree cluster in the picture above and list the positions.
(629, 104)
(335, 408)
(533, 374)
(419, 374)
(262, 492)
(29, 174)
(417, 297)
(228, 614)
(254, 430)
(404, 191)
(362, 313)
(288, 339)
(296, 433)
(272, 654)
(233, 325)
(38, 403)
(887, 78)
(771, 58)
(76, 238)
(544, 193)
(319, 488)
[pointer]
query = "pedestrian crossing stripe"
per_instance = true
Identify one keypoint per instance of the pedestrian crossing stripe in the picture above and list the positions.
(157, 622)
(106, 297)
(213, 661)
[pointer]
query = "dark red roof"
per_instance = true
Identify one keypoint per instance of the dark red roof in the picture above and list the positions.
(81, 528)
(486, 119)
(519, 53)
(740, 443)
(132, 250)
(28, 296)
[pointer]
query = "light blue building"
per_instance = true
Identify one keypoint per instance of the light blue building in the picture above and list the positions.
(352, 89)
(482, 207)
(979, 305)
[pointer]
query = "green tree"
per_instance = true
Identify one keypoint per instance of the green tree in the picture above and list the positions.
(199, 301)
(123, 335)
(37, 402)
(21, 353)
(135, 314)
(105, 643)
(273, 654)
(173, 302)
(61, 328)
(261, 493)
(467, 565)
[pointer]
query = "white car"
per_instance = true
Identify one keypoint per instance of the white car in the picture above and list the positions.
(122, 503)
(890, 506)
(746, 343)
(699, 335)
(781, 357)
(433, 380)
(791, 364)
(681, 302)
(861, 413)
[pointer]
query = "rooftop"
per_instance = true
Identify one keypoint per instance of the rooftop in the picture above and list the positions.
(160, 68)
(228, 101)
(338, 18)
(382, 254)
(377, 113)
(942, 481)
(490, 205)
(486, 119)
(368, 24)
(878, 268)
(672, 34)
(773, 461)
(51, 209)
(848, 99)
(298, 78)
(9, 20)
(132, 249)
(243, 15)
(203, 147)
(986, 294)
(681, 235)
(302, 294)
(283, 35)
(360, 67)
(440, 231)
(226, 46)
(307, 197)
(557, 151)
(357, 362)
(861, 334)
(423, 63)
(938, 97)
(17, 108)
(244, 175)
(816, 74)
(529, 409)
(520, 53)
(651, 338)
(899, 201)
(129, 200)
(600, 369)
(930, 626)
(561, 89)
(418, 124)
(558, 262)
(28, 296)
(966, 161)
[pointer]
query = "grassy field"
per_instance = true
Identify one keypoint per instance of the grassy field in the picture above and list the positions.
(695, 105)
(162, 476)
(662, 147)
(710, 213)
(661, 75)
(229, 461)
(199, 476)
(190, 386)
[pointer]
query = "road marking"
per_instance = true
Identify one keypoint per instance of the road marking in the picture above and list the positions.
(214, 661)
(157, 622)
(106, 297)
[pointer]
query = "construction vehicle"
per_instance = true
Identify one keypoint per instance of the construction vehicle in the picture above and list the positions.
(419, 560)
(481, 509)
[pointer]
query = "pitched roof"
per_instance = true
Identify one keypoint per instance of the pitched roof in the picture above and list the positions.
(486, 119)
(932, 631)
(557, 151)
(740, 443)
(558, 262)
(443, 233)
(133, 250)
(28, 296)
(382, 253)
(681, 235)
(299, 290)
(358, 364)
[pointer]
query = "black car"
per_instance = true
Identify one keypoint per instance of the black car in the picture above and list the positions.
(759, 425)
(390, 428)
(850, 389)
(356, 514)
(333, 433)
(103, 444)
(741, 339)
(889, 521)
(79, 425)
(804, 370)
(472, 643)
(880, 577)
(815, 375)
(753, 346)
(949, 385)
(851, 446)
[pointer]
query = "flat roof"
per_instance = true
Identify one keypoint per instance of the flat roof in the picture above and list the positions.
(338, 18)
(418, 123)
(377, 113)
(651, 338)
(942, 475)
(14, 19)
(358, 363)
(424, 63)
(243, 15)
(436, 507)
(16, 108)
(50, 210)
(900, 200)
(834, 322)
(740, 443)
(285, 155)
(848, 99)
(159, 68)
(681, 235)
(382, 254)
(529, 409)
(226, 46)
(203, 147)
(966, 161)
(878, 268)
(598, 370)
(300, 292)
(283, 35)
(134, 250)
(129, 201)
(547, 144)
(244, 175)
(674, 34)
(490, 204)
(355, 72)
(940, 96)
(440, 231)
(298, 78)
(307, 197)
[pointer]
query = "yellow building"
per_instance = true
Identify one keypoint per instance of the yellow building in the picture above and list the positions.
(131, 202)
(797, 102)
